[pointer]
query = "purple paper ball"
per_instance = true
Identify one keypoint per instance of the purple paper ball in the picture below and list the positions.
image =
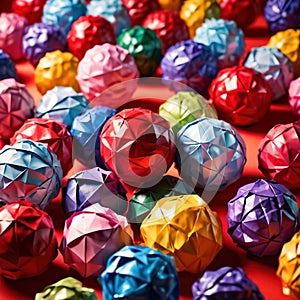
(7, 66)
(262, 217)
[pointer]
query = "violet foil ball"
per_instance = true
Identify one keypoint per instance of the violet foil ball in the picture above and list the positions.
(7, 66)
(226, 283)
(262, 217)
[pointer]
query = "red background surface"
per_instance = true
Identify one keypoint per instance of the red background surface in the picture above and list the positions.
(260, 270)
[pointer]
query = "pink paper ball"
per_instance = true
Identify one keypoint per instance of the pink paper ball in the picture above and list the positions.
(294, 96)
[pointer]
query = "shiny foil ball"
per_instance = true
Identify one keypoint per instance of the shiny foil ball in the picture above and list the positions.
(17, 105)
(138, 146)
(12, 28)
(279, 154)
(262, 217)
(53, 134)
(211, 154)
(102, 67)
(172, 5)
(145, 46)
(28, 241)
(241, 95)
(7, 66)
(40, 38)
(91, 236)
(294, 96)
(276, 68)
(88, 31)
(168, 26)
(56, 68)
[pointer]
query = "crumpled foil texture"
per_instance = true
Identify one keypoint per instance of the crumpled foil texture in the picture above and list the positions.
(7, 66)
(294, 96)
(32, 10)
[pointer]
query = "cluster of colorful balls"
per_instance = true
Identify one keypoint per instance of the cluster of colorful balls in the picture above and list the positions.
(127, 222)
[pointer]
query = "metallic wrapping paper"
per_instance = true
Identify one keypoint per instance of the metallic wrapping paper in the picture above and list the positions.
(40, 38)
(173, 5)
(68, 288)
(186, 228)
(138, 146)
(16, 105)
(145, 46)
(12, 28)
(28, 171)
(91, 236)
(282, 14)
(294, 96)
(241, 95)
(262, 217)
(85, 130)
(94, 186)
(56, 68)
(288, 269)
(195, 12)
(27, 240)
(137, 272)
(211, 154)
(225, 283)
(143, 200)
(186, 107)
(168, 26)
(53, 134)
(279, 154)
(190, 63)
(103, 66)
(63, 13)
(112, 10)
(288, 42)
(87, 32)
(225, 40)
(276, 68)
(7, 66)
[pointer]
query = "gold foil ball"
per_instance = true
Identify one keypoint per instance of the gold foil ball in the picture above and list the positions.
(56, 69)
(186, 228)
(289, 267)
(173, 5)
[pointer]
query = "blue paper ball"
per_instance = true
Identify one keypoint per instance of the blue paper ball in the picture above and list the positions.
(137, 272)
(225, 40)
(7, 66)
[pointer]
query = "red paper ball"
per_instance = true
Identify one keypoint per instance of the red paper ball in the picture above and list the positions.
(241, 95)
(27, 240)
(89, 31)
(53, 134)
(137, 145)
(279, 154)
(168, 26)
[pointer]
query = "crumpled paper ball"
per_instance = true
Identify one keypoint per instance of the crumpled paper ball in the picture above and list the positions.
(262, 217)
(168, 26)
(16, 105)
(225, 283)
(138, 146)
(63, 13)
(186, 228)
(195, 12)
(225, 40)
(91, 236)
(7, 66)
(190, 63)
(40, 38)
(94, 76)
(53, 134)
(279, 155)
(288, 269)
(27, 240)
(56, 68)
(145, 47)
(69, 288)
(288, 42)
(12, 28)
(211, 154)
(173, 5)
(92, 186)
(241, 95)
(112, 10)
(186, 107)
(294, 96)
(137, 272)
(276, 68)
(32, 10)
(282, 14)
